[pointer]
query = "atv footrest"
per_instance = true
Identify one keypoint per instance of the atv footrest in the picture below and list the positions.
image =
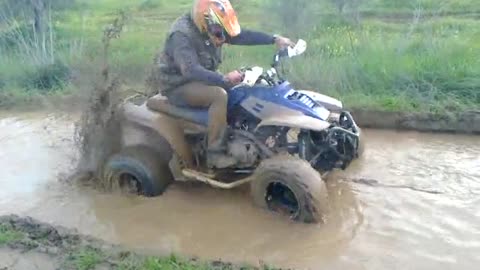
(208, 179)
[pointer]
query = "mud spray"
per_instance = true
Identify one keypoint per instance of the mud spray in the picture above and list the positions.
(96, 133)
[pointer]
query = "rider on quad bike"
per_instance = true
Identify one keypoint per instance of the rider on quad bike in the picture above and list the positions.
(249, 127)
(186, 70)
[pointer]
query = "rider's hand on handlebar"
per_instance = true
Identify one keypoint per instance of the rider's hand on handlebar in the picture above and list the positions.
(283, 42)
(235, 77)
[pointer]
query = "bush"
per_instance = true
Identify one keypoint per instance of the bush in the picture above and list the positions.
(292, 17)
(10, 39)
(45, 78)
(149, 5)
(2, 82)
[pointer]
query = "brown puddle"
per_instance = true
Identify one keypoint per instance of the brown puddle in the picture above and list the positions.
(372, 227)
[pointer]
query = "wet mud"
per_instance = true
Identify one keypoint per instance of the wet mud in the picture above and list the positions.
(462, 123)
(411, 200)
(28, 244)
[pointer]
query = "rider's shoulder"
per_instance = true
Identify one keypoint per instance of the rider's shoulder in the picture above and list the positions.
(184, 28)
(182, 23)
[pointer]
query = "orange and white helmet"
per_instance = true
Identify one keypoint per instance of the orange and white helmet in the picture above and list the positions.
(217, 18)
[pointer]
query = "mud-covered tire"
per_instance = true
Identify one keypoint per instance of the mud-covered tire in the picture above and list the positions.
(304, 182)
(146, 165)
(361, 147)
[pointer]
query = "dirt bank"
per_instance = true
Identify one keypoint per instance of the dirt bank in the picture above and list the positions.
(457, 122)
(466, 123)
(27, 244)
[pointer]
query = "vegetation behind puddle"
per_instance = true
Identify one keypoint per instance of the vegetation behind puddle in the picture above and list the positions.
(418, 55)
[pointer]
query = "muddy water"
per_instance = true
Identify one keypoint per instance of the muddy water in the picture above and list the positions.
(378, 222)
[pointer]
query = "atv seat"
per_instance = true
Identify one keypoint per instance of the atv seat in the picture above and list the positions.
(160, 104)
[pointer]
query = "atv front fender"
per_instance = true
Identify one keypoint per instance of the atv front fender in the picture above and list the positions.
(329, 103)
(295, 121)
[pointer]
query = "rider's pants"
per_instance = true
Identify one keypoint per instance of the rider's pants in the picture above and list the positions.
(198, 94)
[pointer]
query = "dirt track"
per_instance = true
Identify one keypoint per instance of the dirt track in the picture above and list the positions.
(432, 179)
(467, 122)
(28, 244)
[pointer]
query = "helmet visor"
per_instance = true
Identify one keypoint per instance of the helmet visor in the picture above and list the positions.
(216, 30)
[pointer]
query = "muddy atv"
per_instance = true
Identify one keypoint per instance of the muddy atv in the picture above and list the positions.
(283, 140)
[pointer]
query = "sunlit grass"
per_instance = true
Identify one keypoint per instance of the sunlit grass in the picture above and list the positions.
(386, 62)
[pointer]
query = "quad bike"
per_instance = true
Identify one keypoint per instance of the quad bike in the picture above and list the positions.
(283, 140)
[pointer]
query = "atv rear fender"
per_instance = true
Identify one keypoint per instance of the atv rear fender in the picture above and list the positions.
(139, 124)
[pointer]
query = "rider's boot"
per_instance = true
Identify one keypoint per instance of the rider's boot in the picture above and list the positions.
(217, 154)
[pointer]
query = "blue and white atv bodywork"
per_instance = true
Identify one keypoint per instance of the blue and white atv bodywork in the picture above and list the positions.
(267, 104)
(266, 116)
(282, 141)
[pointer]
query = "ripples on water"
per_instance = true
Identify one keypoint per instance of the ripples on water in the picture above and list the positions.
(371, 227)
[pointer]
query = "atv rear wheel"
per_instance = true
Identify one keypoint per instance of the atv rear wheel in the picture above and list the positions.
(139, 168)
(291, 186)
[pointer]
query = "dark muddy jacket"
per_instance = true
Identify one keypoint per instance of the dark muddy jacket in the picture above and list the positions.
(189, 56)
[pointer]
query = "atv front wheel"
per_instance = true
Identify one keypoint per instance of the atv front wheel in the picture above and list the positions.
(361, 147)
(140, 170)
(292, 187)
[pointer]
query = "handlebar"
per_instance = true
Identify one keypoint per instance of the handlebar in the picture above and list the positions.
(252, 75)
(279, 55)
(299, 48)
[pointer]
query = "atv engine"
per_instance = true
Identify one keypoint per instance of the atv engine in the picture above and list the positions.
(244, 151)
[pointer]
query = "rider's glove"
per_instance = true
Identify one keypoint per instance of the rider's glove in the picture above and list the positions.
(283, 42)
(233, 78)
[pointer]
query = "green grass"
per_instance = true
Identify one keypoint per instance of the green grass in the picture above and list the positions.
(171, 263)
(81, 253)
(392, 60)
(396, 71)
(8, 235)
(176, 263)
(395, 6)
(86, 258)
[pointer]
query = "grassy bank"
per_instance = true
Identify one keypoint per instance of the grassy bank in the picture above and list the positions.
(418, 55)
(64, 249)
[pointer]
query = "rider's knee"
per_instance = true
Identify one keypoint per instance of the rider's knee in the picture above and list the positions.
(219, 94)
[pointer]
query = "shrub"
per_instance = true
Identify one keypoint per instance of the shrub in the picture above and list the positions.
(2, 82)
(149, 4)
(10, 38)
(46, 77)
